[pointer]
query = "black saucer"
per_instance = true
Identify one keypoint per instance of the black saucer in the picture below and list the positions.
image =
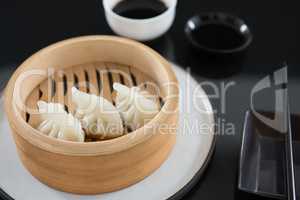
(218, 33)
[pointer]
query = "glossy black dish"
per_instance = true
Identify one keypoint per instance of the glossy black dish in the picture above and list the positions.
(218, 33)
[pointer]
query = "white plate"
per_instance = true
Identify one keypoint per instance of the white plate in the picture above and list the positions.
(187, 160)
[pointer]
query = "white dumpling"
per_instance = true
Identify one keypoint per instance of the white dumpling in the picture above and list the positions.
(98, 116)
(57, 123)
(134, 106)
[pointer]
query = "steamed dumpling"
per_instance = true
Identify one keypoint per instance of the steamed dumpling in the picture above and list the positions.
(97, 115)
(57, 123)
(134, 106)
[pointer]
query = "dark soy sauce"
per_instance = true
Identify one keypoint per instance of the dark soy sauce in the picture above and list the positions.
(218, 36)
(140, 9)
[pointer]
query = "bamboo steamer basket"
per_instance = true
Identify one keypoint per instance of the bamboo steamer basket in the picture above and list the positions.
(91, 63)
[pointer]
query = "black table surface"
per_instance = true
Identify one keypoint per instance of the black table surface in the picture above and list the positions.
(27, 26)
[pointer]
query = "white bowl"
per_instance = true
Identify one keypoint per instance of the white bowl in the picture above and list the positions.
(140, 29)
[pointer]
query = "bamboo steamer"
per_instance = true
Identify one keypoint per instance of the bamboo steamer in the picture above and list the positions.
(92, 63)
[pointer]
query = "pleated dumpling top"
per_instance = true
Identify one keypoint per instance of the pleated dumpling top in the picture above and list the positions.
(57, 123)
(136, 109)
(99, 117)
